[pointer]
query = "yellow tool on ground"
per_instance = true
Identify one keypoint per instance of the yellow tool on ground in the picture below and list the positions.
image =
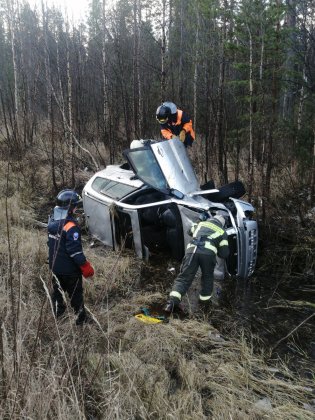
(148, 318)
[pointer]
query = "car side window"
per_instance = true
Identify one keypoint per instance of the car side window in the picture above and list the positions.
(112, 189)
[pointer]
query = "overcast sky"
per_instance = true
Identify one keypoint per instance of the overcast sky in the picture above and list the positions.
(76, 9)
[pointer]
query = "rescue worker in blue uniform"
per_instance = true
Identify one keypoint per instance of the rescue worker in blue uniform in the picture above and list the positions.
(66, 258)
(175, 123)
(209, 240)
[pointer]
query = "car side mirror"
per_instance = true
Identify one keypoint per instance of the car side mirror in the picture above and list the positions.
(176, 193)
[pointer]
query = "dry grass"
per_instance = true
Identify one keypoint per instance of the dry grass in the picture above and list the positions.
(118, 367)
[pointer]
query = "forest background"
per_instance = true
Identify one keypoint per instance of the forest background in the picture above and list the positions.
(244, 71)
(72, 97)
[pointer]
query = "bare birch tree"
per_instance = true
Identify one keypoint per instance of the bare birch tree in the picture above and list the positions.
(137, 88)
(12, 12)
(49, 97)
(107, 135)
(218, 132)
(70, 127)
(163, 52)
(251, 140)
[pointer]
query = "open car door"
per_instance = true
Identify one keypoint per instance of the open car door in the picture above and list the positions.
(164, 166)
(97, 213)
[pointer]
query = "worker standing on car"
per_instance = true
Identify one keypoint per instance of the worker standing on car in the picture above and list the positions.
(175, 123)
(66, 258)
(209, 240)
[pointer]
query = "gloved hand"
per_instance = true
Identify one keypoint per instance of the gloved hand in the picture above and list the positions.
(86, 269)
(182, 135)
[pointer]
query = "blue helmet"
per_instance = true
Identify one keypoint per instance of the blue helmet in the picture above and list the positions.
(163, 113)
(67, 201)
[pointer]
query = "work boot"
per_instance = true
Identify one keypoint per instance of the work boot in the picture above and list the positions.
(172, 306)
(86, 320)
(169, 307)
(82, 317)
(59, 310)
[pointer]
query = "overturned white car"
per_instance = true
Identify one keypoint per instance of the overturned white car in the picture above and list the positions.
(150, 202)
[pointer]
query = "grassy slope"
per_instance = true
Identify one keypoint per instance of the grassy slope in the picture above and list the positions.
(118, 368)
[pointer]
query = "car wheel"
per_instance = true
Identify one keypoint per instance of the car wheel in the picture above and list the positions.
(235, 189)
(208, 185)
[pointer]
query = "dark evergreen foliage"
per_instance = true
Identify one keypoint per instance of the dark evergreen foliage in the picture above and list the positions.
(243, 69)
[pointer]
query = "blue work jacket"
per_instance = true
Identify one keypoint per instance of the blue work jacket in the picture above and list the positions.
(65, 246)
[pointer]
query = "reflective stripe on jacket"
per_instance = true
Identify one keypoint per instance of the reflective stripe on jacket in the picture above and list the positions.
(209, 236)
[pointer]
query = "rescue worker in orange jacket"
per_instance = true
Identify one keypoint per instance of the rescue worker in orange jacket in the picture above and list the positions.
(175, 123)
(66, 258)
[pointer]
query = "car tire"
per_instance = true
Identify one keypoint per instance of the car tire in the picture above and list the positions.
(208, 185)
(235, 189)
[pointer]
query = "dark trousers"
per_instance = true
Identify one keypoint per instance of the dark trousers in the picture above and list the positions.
(188, 270)
(72, 285)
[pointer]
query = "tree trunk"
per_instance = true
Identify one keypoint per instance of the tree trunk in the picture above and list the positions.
(140, 99)
(195, 79)
(288, 97)
(262, 53)
(251, 91)
(12, 6)
(49, 98)
(137, 99)
(218, 133)
(266, 179)
(61, 99)
(106, 125)
(313, 171)
(180, 63)
(163, 53)
(70, 113)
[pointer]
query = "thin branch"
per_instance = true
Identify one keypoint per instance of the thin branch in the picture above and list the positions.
(70, 131)
(293, 331)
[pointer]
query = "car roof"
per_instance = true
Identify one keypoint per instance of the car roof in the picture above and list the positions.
(116, 173)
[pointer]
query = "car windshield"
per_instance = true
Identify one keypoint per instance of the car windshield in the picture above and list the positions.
(111, 188)
(147, 168)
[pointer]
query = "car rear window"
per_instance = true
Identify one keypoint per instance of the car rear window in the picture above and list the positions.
(112, 189)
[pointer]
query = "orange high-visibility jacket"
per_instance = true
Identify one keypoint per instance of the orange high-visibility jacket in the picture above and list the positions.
(182, 121)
